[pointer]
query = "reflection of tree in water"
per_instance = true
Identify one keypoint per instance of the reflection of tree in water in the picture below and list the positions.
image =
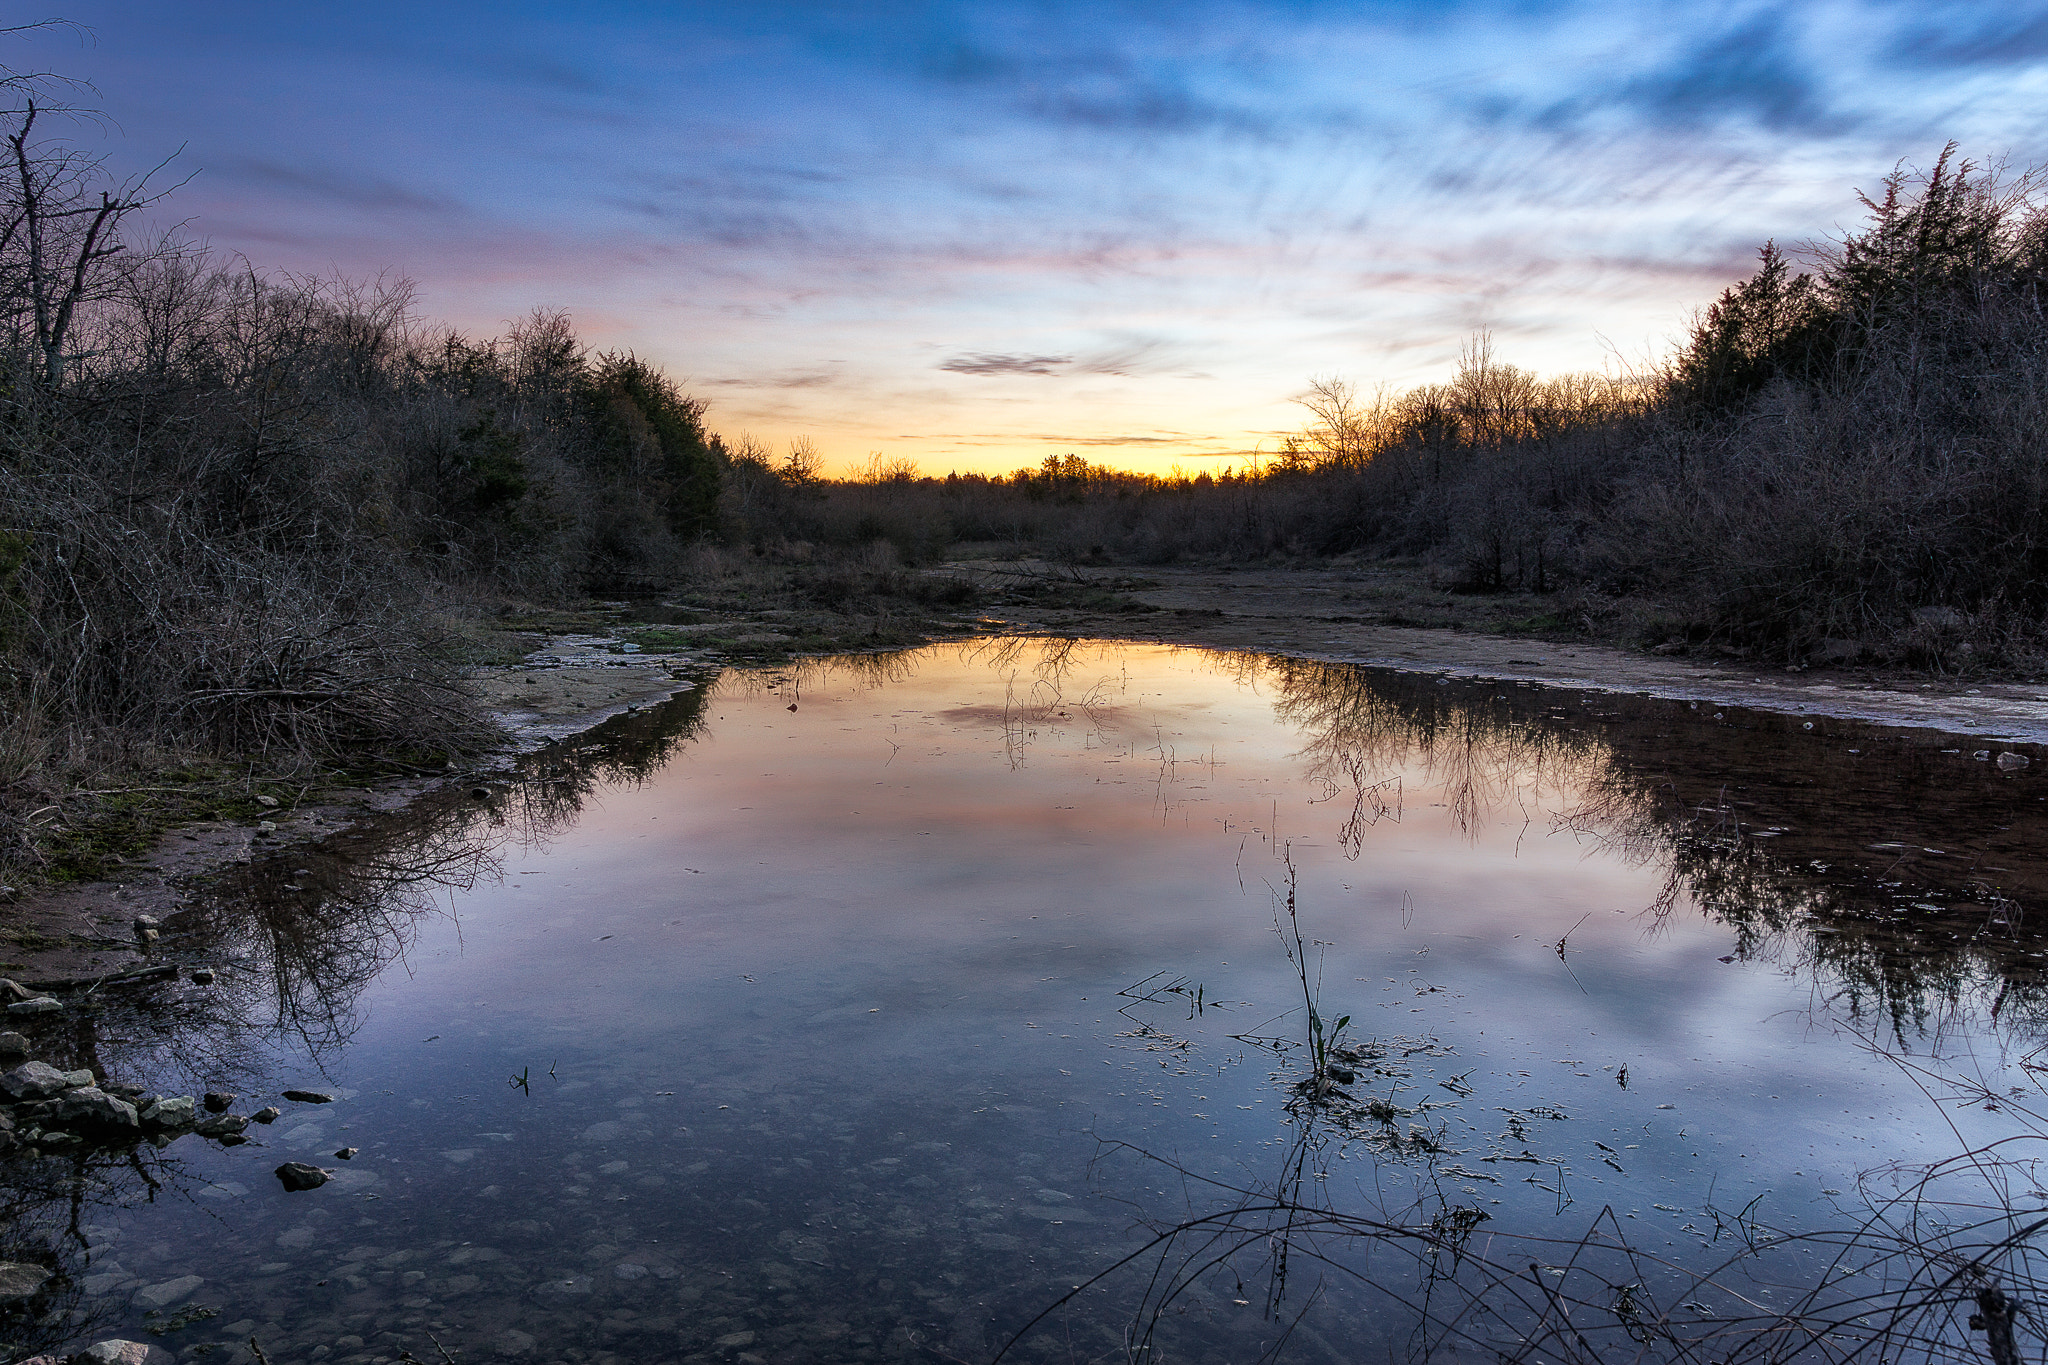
(297, 936)
(1830, 868)
(46, 1204)
(1365, 729)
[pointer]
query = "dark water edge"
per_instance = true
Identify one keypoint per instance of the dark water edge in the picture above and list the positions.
(719, 1173)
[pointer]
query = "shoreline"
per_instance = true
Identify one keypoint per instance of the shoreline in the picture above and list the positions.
(574, 683)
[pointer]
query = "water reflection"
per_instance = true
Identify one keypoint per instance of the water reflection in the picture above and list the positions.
(831, 1091)
(1895, 868)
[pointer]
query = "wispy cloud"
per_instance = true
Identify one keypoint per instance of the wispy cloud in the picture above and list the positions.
(982, 363)
(1063, 224)
(353, 188)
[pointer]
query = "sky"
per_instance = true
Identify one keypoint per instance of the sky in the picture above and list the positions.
(975, 234)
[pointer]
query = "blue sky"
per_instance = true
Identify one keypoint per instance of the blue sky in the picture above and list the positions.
(976, 234)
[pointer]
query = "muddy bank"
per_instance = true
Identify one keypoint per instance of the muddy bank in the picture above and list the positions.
(1338, 615)
(86, 930)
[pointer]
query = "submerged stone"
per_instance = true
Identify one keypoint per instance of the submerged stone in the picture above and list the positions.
(18, 1280)
(297, 1176)
(309, 1096)
(217, 1102)
(168, 1292)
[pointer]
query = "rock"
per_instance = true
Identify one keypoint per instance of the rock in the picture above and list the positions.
(40, 1005)
(309, 1097)
(114, 1352)
(267, 802)
(297, 1175)
(11, 991)
(141, 922)
(267, 1114)
(217, 1101)
(266, 826)
(91, 1107)
(177, 1112)
(34, 1081)
(13, 1045)
(18, 1280)
(231, 1140)
(2010, 761)
(1982, 755)
(347, 1153)
(153, 1296)
(202, 976)
(220, 1125)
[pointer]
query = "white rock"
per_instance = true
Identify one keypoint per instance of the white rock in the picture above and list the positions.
(116, 1352)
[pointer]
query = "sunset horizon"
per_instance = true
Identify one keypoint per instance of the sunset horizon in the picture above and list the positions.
(976, 235)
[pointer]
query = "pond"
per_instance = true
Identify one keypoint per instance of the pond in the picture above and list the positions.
(965, 1001)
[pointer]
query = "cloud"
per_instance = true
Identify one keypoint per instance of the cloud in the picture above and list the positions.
(1125, 358)
(811, 379)
(1753, 73)
(345, 187)
(1994, 40)
(981, 363)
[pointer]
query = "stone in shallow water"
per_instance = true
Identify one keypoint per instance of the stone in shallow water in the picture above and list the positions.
(176, 1112)
(33, 1081)
(297, 1176)
(19, 1280)
(218, 1101)
(93, 1107)
(115, 1352)
(309, 1096)
(40, 1005)
(167, 1293)
(12, 1044)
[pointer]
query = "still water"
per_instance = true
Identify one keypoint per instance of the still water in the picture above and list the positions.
(866, 1008)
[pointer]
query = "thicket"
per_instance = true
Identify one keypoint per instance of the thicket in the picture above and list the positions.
(234, 505)
(1847, 456)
